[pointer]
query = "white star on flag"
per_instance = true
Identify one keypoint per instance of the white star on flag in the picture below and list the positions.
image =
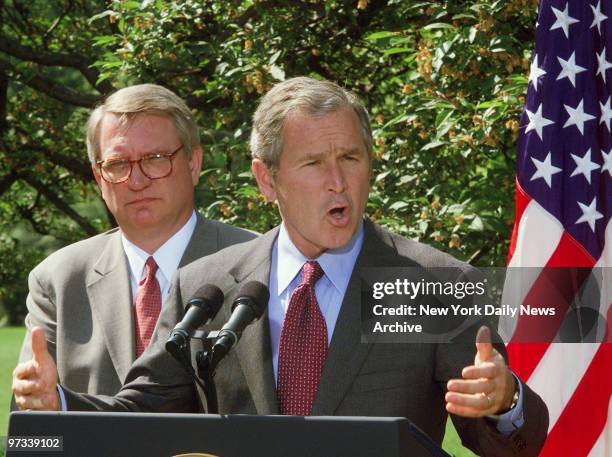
(536, 121)
(607, 165)
(598, 18)
(545, 170)
(564, 20)
(569, 69)
(602, 64)
(577, 117)
(590, 214)
(606, 114)
(535, 73)
(584, 166)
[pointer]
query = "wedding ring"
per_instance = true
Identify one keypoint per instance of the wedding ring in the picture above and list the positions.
(489, 399)
(37, 403)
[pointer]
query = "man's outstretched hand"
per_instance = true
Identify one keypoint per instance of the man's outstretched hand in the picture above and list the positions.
(35, 381)
(487, 387)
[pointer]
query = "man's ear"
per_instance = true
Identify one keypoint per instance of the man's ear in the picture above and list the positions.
(195, 164)
(97, 176)
(264, 178)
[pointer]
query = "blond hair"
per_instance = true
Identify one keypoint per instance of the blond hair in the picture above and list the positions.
(132, 101)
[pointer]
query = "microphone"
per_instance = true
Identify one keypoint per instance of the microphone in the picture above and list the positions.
(249, 306)
(205, 304)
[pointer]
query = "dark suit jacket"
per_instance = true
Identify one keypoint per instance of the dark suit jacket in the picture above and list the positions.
(81, 297)
(406, 380)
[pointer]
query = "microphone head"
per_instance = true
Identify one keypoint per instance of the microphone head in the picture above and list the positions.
(211, 295)
(257, 294)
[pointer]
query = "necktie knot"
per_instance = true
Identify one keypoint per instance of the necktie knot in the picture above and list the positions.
(151, 266)
(311, 273)
(150, 269)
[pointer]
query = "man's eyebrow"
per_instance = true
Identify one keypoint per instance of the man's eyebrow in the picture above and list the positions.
(311, 156)
(112, 154)
(317, 155)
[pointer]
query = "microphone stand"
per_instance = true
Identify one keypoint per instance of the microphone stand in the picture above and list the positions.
(206, 369)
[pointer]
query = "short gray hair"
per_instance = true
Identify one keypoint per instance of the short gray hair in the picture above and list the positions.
(309, 96)
(132, 101)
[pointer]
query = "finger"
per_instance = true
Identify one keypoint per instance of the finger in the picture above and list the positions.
(470, 405)
(25, 370)
(477, 401)
(470, 386)
(484, 347)
(39, 345)
(25, 387)
(486, 370)
(24, 402)
(464, 411)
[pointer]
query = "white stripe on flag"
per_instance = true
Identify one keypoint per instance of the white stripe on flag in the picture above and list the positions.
(559, 373)
(538, 235)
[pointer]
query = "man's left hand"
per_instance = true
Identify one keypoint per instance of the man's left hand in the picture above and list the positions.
(487, 387)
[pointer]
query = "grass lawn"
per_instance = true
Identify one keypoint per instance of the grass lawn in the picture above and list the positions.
(10, 342)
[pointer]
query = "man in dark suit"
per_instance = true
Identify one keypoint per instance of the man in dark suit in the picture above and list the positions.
(312, 145)
(145, 153)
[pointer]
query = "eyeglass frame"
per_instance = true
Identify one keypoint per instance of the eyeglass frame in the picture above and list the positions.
(168, 155)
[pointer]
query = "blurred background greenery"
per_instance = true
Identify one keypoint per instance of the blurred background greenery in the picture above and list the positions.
(442, 80)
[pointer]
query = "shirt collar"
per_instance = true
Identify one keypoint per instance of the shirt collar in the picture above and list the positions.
(167, 256)
(337, 264)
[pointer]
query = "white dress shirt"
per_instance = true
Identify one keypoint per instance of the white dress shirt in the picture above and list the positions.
(167, 258)
(285, 275)
(337, 265)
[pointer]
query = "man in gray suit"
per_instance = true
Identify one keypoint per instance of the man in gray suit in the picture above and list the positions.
(145, 152)
(312, 145)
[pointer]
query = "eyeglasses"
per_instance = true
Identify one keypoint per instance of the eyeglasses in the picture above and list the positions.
(153, 166)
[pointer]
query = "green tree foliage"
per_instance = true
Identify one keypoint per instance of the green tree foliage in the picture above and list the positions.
(443, 81)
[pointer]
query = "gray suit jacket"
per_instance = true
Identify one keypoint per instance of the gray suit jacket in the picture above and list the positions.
(81, 297)
(406, 380)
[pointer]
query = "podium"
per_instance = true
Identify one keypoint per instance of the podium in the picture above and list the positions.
(85, 434)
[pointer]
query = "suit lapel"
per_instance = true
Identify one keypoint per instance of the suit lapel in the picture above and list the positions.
(204, 241)
(108, 286)
(346, 352)
(110, 293)
(254, 350)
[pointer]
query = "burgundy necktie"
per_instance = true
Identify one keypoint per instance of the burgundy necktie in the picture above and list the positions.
(303, 346)
(148, 306)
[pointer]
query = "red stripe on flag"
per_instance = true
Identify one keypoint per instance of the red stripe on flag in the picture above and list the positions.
(570, 253)
(524, 357)
(584, 417)
(522, 200)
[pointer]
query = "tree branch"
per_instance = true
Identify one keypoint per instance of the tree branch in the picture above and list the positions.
(56, 22)
(7, 181)
(52, 89)
(4, 82)
(78, 168)
(58, 202)
(48, 58)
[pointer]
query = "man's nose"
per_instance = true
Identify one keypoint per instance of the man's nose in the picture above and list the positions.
(138, 180)
(336, 178)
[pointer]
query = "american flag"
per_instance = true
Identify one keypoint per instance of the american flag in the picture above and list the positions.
(564, 207)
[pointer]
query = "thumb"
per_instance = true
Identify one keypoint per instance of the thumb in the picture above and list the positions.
(484, 347)
(39, 345)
